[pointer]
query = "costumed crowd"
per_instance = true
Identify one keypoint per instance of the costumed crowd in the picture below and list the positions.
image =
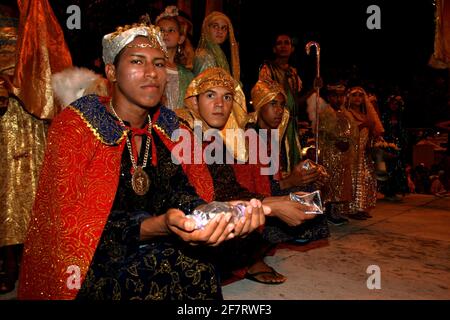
(98, 202)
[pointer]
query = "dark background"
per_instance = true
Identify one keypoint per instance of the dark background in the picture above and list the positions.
(391, 60)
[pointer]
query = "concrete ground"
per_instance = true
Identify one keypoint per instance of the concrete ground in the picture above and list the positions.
(409, 242)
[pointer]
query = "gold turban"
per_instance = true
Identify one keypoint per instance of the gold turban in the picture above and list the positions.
(212, 78)
(114, 42)
(262, 93)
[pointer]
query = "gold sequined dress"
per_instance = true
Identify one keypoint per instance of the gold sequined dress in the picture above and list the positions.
(335, 133)
(22, 143)
(363, 170)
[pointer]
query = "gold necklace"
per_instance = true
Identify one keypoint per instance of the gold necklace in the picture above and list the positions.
(140, 180)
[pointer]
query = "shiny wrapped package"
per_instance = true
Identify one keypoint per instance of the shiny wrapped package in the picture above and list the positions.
(312, 200)
(206, 212)
(308, 165)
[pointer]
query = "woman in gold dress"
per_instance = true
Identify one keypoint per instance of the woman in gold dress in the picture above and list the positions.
(368, 128)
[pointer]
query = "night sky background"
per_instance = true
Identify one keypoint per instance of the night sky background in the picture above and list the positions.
(393, 59)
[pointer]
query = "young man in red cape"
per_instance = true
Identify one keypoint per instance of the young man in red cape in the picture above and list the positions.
(109, 220)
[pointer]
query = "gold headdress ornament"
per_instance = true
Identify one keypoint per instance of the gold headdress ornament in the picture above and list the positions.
(206, 42)
(262, 93)
(336, 88)
(114, 42)
(170, 11)
(212, 78)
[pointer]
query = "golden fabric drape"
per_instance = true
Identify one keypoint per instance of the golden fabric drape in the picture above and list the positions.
(22, 141)
(211, 78)
(363, 175)
(41, 51)
(441, 56)
(337, 126)
(262, 93)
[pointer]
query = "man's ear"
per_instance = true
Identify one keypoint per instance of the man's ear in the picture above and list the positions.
(110, 71)
(194, 102)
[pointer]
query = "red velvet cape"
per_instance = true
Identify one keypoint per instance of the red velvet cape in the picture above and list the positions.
(77, 187)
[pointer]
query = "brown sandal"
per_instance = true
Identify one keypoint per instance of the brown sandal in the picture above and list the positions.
(272, 272)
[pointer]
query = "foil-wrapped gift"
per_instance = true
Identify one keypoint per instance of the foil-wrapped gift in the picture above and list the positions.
(312, 200)
(206, 212)
(308, 165)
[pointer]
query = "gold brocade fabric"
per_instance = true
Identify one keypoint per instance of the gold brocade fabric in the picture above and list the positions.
(363, 175)
(22, 144)
(292, 85)
(41, 51)
(217, 77)
(363, 170)
(335, 127)
(262, 93)
(441, 56)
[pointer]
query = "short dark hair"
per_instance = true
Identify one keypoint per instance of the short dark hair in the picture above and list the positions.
(278, 34)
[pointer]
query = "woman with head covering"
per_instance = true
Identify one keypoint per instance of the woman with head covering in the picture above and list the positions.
(216, 29)
(368, 127)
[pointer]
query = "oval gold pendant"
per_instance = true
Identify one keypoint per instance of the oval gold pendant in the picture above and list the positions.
(140, 181)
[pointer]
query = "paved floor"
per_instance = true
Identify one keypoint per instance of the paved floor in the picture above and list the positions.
(408, 241)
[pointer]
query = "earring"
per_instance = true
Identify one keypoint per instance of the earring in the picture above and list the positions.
(179, 49)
